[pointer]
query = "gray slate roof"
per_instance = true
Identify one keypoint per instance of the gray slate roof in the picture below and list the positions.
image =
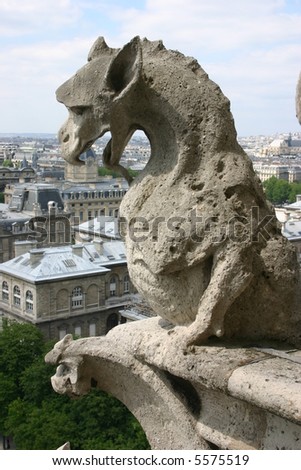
(68, 261)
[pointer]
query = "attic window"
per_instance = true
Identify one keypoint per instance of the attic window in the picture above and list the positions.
(111, 257)
(69, 263)
(122, 255)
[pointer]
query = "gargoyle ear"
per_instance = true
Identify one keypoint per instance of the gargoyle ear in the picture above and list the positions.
(125, 68)
(99, 47)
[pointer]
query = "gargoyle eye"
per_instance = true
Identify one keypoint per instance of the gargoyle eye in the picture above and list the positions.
(78, 110)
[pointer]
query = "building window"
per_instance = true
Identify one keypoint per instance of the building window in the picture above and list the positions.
(77, 297)
(92, 329)
(78, 330)
(126, 284)
(112, 321)
(29, 301)
(62, 332)
(92, 295)
(113, 286)
(17, 297)
(5, 291)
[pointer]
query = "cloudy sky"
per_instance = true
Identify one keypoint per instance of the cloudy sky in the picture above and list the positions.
(251, 48)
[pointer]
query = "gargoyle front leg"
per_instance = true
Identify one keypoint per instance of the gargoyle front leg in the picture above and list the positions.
(230, 277)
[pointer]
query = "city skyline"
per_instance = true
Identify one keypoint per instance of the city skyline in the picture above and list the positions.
(250, 49)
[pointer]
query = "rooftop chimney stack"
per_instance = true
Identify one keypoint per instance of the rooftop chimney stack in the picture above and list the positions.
(98, 244)
(78, 249)
(52, 208)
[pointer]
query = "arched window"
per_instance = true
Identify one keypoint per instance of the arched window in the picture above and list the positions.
(77, 297)
(5, 291)
(92, 329)
(92, 295)
(126, 284)
(29, 301)
(17, 296)
(62, 332)
(78, 330)
(113, 285)
(112, 321)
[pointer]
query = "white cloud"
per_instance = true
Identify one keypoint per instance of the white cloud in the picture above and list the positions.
(212, 26)
(28, 16)
(250, 48)
(30, 74)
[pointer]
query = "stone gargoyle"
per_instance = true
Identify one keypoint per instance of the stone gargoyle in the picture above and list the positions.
(203, 244)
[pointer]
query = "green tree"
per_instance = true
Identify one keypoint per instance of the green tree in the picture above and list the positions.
(103, 171)
(42, 427)
(295, 188)
(2, 198)
(20, 345)
(38, 418)
(280, 191)
(277, 191)
(7, 163)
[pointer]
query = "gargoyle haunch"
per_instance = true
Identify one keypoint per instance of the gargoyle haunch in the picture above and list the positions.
(209, 255)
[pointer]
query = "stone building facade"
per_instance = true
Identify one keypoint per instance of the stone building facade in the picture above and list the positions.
(35, 212)
(86, 195)
(13, 227)
(76, 289)
(11, 176)
(290, 173)
(85, 202)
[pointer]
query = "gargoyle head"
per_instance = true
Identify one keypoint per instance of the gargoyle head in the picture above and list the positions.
(96, 98)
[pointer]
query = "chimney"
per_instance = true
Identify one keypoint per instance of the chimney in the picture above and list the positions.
(78, 249)
(98, 244)
(36, 255)
(52, 208)
(22, 247)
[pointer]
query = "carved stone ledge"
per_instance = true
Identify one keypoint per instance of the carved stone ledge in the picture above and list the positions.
(233, 397)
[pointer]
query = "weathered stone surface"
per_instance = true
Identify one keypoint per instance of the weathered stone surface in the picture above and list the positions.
(209, 365)
(144, 390)
(232, 397)
(274, 384)
(203, 245)
(208, 256)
